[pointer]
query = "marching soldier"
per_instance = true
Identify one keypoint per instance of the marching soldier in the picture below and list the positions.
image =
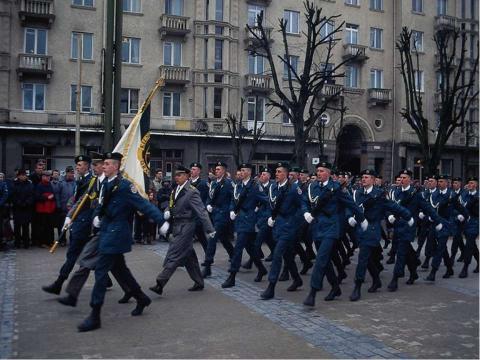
(457, 242)
(119, 199)
(218, 205)
(471, 204)
(264, 211)
(185, 207)
(426, 232)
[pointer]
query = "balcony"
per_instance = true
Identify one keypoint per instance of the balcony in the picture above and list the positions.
(175, 74)
(445, 22)
(257, 84)
(379, 96)
(173, 25)
(354, 53)
(252, 42)
(332, 91)
(55, 119)
(37, 12)
(36, 66)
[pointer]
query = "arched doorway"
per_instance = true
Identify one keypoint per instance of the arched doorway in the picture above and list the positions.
(349, 144)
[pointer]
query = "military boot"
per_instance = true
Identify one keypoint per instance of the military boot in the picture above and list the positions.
(262, 271)
(393, 286)
(158, 288)
(269, 292)
(412, 278)
(284, 276)
(92, 322)
(207, 271)
(297, 282)
(431, 276)
(55, 287)
(448, 273)
(376, 284)
(310, 299)
(248, 264)
(306, 266)
(68, 300)
(334, 292)
(464, 273)
(126, 297)
(142, 302)
(230, 282)
(356, 291)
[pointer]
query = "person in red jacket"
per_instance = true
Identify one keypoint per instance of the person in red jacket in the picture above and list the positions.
(45, 206)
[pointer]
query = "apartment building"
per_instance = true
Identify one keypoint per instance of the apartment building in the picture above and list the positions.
(202, 50)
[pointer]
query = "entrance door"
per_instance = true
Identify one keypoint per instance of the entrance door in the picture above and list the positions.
(349, 144)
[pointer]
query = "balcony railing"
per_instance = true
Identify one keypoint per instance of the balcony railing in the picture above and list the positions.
(330, 90)
(355, 52)
(379, 96)
(55, 119)
(34, 12)
(34, 65)
(250, 39)
(257, 83)
(173, 25)
(445, 22)
(175, 74)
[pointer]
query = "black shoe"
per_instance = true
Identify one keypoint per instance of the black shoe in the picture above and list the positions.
(431, 276)
(412, 278)
(306, 266)
(196, 287)
(284, 276)
(269, 292)
(92, 322)
(248, 264)
(356, 291)
(207, 271)
(109, 282)
(393, 286)
(425, 264)
(341, 276)
(269, 258)
(142, 302)
(376, 284)
(68, 300)
(448, 273)
(476, 270)
(125, 299)
(296, 284)
(334, 292)
(391, 260)
(157, 289)
(310, 299)
(230, 282)
(55, 287)
(464, 273)
(261, 273)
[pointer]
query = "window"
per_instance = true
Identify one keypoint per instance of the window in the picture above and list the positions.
(87, 45)
(218, 54)
(87, 3)
(439, 79)
(172, 53)
(218, 30)
(171, 104)
(351, 76)
(292, 18)
(219, 10)
(129, 101)
(447, 167)
(293, 61)
(351, 31)
(418, 77)
(253, 12)
(286, 119)
(376, 79)
(85, 98)
(217, 103)
(132, 6)
(33, 97)
(376, 5)
(256, 109)
(174, 7)
(417, 6)
(131, 50)
(441, 7)
(352, 2)
(327, 29)
(35, 41)
(255, 64)
(376, 38)
(417, 41)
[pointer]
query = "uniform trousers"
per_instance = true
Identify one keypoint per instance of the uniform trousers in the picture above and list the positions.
(323, 264)
(245, 240)
(222, 234)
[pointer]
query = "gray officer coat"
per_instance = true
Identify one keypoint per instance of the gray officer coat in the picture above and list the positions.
(188, 207)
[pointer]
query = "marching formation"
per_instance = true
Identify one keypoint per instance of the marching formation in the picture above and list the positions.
(322, 217)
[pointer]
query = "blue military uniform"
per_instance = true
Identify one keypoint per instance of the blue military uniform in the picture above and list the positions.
(264, 233)
(471, 204)
(457, 242)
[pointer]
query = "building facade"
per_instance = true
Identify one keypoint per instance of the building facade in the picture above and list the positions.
(201, 49)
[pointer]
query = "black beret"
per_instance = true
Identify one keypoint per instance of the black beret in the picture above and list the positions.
(180, 169)
(380, 177)
(432, 177)
(112, 156)
(324, 164)
(313, 174)
(472, 178)
(196, 164)
(304, 171)
(284, 165)
(221, 163)
(296, 169)
(245, 166)
(442, 177)
(342, 173)
(265, 169)
(96, 157)
(457, 179)
(406, 172)
(83, 158)
(370, 172)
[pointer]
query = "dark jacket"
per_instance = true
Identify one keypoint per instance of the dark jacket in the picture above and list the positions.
(22, 201)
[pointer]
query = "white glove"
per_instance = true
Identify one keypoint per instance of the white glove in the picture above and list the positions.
(439, 227)
(96, 221)
(421, 215)
(391, 219)
(232, 215)
(209, 208)
(164, 228)
(256, 209)
(166, 214)
(270, 222)
(211, 235)
(308, 217)
(364, 224)
(411, 222)
(67, 222)
(352, 222)
(430, 219)
(460, 218)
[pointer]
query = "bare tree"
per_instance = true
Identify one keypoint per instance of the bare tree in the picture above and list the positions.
(299, 101)
(456, 92)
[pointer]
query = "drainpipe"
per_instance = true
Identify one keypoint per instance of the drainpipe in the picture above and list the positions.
(394, 107)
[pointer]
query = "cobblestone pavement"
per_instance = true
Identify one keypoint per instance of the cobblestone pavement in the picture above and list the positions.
(438, 320)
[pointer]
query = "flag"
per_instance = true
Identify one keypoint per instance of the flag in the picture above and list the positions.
(135, 144)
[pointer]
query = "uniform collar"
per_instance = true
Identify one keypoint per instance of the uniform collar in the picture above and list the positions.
(101, 177)
(443, 191)
(112, 178)
(432, 190)
(282, 184)
(472, 192)
(325, 183)
(194, 180)
(406, 189)
(180, 187)
(369, 190)
(245, 182)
